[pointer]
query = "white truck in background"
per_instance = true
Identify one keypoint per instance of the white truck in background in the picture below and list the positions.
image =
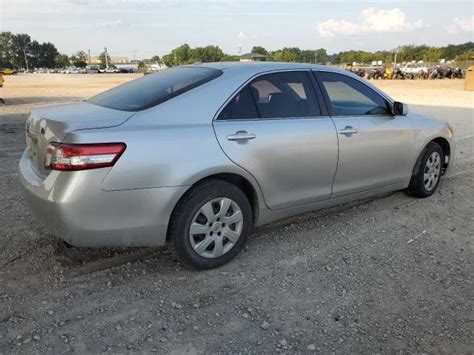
(415, 70)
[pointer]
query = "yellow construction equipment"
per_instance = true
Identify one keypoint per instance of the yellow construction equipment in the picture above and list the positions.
(388, 73)
(7, 71)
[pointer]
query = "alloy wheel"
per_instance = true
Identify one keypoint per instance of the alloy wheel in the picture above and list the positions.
(216, 227)
(432, 171)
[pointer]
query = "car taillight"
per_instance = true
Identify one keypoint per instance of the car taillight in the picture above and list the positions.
(62, 156)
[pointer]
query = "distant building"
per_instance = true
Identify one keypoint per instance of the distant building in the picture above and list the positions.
(253, 57)
(113, 60)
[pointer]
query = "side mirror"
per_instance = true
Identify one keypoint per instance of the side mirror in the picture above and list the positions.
(399, 109)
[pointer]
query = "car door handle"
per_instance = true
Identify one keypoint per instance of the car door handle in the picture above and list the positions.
(348, 131)
(240, 136)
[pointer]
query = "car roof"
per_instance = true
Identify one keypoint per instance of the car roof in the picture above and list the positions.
(259, 66)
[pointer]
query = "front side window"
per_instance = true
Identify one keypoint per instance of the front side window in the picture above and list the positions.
(153, 89)
(348, 96)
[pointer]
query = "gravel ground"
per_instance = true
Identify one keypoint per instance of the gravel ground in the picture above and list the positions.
(387, 275)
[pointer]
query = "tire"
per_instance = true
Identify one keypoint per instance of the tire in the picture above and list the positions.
(420, 185)
(212, 194)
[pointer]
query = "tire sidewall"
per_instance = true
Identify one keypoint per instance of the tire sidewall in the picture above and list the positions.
(430, 149)
(188, 208)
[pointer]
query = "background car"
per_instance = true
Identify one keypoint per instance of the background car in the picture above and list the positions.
(92, 70)
(196, 156)
(414, 70)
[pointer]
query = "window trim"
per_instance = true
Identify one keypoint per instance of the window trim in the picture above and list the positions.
(319, 95)
(327, 100)
(322, 104)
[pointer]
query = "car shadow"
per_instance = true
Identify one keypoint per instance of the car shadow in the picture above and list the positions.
(82, 261)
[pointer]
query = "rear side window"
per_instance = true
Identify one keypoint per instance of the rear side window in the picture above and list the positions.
(153, 89)
(288, 94)
(278, 95)
(348, 96)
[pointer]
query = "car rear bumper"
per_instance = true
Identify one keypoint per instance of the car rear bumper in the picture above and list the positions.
(74, 208)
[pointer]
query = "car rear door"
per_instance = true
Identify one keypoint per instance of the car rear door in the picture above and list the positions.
(273, 128)
(375, 147)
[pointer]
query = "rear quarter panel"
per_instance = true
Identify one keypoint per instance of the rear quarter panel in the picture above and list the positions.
(161, 156)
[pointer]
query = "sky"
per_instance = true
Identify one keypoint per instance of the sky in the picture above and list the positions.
(143, 28)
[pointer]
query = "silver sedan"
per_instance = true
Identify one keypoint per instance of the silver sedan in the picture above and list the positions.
(196, 156)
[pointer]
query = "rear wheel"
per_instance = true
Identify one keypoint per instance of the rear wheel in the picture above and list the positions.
(427, 174)
(210, 224)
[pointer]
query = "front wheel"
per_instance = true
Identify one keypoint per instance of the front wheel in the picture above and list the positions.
(427, 172)
(210, 224)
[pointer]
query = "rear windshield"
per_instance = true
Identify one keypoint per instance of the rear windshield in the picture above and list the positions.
(154, 89)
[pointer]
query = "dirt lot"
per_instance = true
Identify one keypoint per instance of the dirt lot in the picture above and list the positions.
(393, 274)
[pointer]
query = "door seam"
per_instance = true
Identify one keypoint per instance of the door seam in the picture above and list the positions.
(338, 154)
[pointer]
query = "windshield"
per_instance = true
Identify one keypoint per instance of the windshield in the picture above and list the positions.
(153, 89)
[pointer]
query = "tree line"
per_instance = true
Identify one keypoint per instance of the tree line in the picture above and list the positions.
(19, 51)
(408, 53)
(184, 54)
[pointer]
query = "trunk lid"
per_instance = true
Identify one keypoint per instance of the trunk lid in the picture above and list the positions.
(53, 123)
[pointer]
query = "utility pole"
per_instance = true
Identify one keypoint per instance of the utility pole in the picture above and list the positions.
(316, 57)
(26, 59)
(89, 57)
(106, 58)
(134, 52)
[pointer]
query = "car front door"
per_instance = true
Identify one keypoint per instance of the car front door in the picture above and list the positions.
(273, 128)
(375, 147)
